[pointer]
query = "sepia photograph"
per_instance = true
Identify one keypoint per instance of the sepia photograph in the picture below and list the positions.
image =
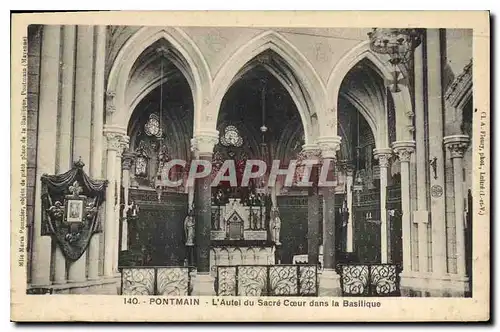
(282, 165)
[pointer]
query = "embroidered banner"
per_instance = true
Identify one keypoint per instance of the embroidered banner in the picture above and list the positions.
(70, 206)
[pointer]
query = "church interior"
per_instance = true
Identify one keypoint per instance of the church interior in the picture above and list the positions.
(395, 122)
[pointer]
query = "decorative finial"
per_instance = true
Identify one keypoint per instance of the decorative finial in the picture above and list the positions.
(79, 163)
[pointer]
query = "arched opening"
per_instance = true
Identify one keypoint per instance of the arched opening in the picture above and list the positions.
(123, 94)
(362, 113)
(160, 128)
(274, 52)
(259, 119)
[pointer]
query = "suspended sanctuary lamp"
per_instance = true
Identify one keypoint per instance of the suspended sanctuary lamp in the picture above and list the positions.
(399, 44)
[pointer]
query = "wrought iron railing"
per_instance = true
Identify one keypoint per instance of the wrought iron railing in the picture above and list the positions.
(267, 280)
(369, 279)
(157, 280)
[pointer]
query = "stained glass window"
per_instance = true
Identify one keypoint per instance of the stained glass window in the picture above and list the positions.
(152, 126)
(231, 137)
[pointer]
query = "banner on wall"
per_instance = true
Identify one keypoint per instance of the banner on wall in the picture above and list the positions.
(70, 206)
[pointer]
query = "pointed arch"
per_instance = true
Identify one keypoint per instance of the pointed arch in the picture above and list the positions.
(293, 70)
(185, 55)
(379, 63)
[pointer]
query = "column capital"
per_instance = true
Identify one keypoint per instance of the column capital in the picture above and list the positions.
(114, 136)
(124, 144)
(404, 149)
(203, 142)
(329, 146)
(311, 152)
(127, 160)
(457, 144)
(383, 155)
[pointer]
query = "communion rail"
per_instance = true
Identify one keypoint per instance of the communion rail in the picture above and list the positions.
(156, 280)
(369, 279)
(267, 280)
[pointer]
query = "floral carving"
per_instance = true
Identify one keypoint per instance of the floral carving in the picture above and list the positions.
(383, 159)
(404, 154)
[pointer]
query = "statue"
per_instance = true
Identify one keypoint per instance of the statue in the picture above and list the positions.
(131, 210)
(189, 228)
(275, 225)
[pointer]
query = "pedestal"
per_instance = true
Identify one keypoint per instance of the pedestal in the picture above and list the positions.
(203, 284)
(329, 283)
(427, 284)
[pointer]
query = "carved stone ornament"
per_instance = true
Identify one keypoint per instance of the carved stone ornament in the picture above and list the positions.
(110, 102)
(404, 149)
(460, 86)
(70, 205)
(114, 141)
(404, 154)
(311, 152)
(203, 143)
(127, 160)
(457, 144)
(123, 144)
(383, 156)
(329, 146)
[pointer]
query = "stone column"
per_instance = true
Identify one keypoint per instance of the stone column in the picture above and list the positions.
(421, 215)
(127, 160)
(96, 157)
(46, 152)
(437, 179)
(124, 141)
(329, 284)
(404, 149)
(64, 158)
(350, 225)
(314, 215)
(457, 144)
(383, 155)
(83, 119)
(202, 145)
(110, 241)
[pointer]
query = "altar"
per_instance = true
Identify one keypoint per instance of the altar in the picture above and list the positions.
(242, 232)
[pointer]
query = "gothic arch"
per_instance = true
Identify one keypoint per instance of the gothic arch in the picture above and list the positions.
(377, 120)
(295, 73)
(185, 55)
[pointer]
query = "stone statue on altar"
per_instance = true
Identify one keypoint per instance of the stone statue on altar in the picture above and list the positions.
(189, 228)
(275, 225)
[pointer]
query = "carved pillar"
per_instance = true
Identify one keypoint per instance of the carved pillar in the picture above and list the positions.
(64, 158)
(383, 156)
(457, 144)
(404, 150)
(110, 241)
(46, 152)
(96, 157)
(127, 160)
(421, 215)
(82, 119)
(124, 142)
(329, 283)
(350, 226)
(312, 154)
(202, 146)
(437, 178)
